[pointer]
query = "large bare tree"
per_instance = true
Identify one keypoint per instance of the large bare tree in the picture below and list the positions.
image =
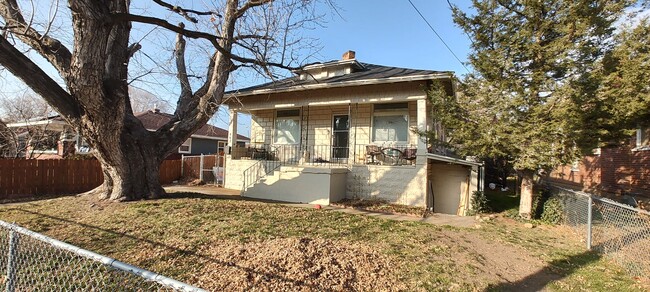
(95, 67)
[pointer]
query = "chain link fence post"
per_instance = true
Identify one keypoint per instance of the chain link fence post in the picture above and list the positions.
(11, 261)
(589, 220)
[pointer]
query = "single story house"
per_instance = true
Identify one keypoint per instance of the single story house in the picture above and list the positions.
(347, 129)
(207, 140)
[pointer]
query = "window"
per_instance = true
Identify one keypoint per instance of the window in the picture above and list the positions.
(643, 138)
(186, 147)
(390, 123)
(287, 127)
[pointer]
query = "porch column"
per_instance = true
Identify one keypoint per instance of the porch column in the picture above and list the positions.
(232, 131)
(422, 126)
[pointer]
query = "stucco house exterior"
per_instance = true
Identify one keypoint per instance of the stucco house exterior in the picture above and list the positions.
(346, 129)
(207, 140)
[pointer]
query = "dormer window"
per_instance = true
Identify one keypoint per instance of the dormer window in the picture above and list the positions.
(348, 64)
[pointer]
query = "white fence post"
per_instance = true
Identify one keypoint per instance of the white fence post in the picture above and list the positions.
(11, 261)
(201, 168)
(182, 162)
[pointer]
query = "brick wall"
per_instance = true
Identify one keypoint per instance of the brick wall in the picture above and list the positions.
(617, 170)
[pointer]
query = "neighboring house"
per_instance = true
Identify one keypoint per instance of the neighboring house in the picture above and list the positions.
(615, 170)
(346, 129)
(207, 140)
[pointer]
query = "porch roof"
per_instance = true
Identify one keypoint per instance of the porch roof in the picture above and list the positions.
(453, 160)
(368, 74)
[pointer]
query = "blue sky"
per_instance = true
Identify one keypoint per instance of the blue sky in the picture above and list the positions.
(392, 33)
(389, 33)
(380, 31)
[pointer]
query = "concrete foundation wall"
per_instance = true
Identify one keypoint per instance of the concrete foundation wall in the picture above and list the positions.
(398, 184)
(310, 185)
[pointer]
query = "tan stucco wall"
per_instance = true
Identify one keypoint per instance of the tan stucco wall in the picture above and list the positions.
(318, 123)
(398, 184)
(310, 185)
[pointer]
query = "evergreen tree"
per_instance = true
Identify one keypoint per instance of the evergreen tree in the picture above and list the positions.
(533, 63)
(625, 91)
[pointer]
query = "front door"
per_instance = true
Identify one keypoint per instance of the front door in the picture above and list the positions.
(340, 136)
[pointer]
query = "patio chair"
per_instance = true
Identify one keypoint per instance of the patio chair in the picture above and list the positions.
(372, 151)
(259, 153)
(409, 155)
(392, 156)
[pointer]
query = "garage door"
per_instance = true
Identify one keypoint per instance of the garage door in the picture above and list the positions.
(449, 184)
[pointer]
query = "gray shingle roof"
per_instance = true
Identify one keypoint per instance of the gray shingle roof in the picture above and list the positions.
(367, 73)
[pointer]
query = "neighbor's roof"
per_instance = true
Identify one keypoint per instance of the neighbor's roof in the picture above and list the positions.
(366, 75)
(153, 120)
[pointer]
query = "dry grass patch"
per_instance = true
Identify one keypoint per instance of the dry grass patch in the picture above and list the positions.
(225, 244)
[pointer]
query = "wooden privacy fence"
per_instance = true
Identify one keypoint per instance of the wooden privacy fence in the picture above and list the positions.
(193, 169)
(20, 178)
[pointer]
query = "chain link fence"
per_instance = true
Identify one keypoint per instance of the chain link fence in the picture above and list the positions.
(616, 230)
(30, 261)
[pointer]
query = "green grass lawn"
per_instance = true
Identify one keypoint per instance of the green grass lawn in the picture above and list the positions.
(217, 243)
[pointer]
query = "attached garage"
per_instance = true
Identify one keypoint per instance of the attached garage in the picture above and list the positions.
(451, 182)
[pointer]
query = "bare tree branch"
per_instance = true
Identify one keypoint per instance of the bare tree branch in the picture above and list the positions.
(250, 4)
(50, 48)
(163, 23)
(186, 90)
(25, 69)
(185, 12)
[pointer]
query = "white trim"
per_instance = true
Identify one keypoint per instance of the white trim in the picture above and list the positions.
(327, 65)
(36, 123)
(453, 160)
(189, 148)
(344, 84)
(218, 138)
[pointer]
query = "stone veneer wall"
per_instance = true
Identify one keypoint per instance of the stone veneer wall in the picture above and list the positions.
(235, 172)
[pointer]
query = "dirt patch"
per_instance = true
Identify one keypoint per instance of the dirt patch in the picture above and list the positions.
(491, 262)
(296, 264)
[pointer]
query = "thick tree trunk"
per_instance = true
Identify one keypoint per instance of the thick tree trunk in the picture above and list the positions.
(131, 172)
(130, 160)
(526, 189)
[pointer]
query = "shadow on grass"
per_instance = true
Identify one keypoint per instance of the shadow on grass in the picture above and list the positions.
(502, 201)
(555, 270)
(34, 198)
(194, 195)
(173, 248)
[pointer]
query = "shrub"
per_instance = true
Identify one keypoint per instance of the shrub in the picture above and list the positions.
(553, 211)
(538, 203)
(480, 203)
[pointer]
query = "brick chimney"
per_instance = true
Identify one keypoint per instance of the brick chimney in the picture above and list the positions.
(349, 55)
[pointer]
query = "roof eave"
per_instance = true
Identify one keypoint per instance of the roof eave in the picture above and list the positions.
(345, 84)
(453, 160)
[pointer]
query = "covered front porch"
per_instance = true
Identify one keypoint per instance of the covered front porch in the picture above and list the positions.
(337, 145)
